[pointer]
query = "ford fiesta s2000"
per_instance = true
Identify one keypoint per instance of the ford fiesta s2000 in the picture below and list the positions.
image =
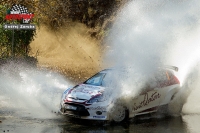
(90, 101)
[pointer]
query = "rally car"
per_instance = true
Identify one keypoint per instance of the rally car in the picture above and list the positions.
(91, 100)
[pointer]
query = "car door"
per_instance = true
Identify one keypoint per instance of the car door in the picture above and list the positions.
(145, 103)
(152, 95)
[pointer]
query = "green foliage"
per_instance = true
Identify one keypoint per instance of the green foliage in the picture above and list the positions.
(22, 38)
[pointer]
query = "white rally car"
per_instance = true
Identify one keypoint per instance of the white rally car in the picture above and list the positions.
(89, 101)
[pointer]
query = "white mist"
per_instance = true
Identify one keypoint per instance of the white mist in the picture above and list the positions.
(152, 33)
(29, 91)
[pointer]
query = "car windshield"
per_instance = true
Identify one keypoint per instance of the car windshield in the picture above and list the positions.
(96, 79)
(103, 78)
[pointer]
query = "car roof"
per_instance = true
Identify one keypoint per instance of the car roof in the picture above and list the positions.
(174, 68)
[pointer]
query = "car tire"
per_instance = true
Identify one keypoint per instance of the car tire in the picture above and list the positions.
(119, 114)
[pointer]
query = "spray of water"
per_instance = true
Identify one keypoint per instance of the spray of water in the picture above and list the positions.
(152, 33)
(29, 91)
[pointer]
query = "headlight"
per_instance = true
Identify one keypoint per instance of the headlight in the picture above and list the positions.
(99, 98)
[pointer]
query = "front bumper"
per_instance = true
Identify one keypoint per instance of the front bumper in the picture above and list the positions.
(74, 109)
(92, 112)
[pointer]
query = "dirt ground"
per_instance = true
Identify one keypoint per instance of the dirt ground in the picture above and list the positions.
(71, 51)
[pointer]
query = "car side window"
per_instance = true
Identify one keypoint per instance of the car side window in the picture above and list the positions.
(107, 80)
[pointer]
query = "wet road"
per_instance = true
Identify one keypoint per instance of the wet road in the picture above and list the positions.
(60, 124)
(26, 101)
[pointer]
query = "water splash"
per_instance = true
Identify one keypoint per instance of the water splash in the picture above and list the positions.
(35, 92)
(152, 33)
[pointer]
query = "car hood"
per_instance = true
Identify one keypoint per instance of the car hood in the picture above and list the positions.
(83, 92)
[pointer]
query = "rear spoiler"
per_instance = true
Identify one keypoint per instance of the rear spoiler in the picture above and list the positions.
(172, 67)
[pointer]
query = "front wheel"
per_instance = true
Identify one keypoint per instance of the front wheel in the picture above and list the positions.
(119, 113)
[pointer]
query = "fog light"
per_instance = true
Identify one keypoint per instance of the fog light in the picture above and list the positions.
(98, 112)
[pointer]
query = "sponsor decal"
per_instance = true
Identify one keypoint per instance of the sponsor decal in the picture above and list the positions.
(91, 87)
(86, 90)
(100, 117)
(97, 108)
(147, 99)
(70, 107)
